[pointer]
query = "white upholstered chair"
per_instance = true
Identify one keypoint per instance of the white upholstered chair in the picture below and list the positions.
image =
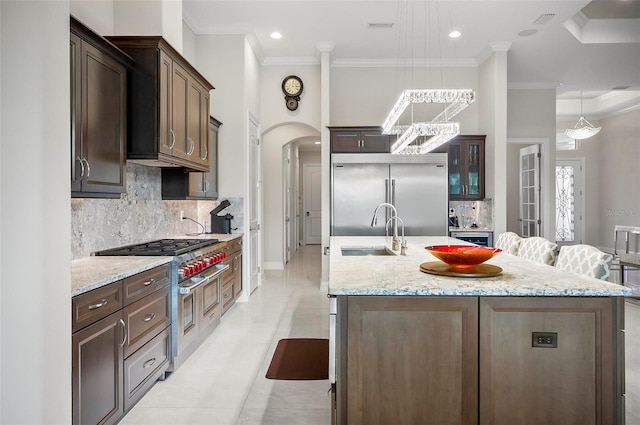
(586, 260)
(538, 249)
(508, 242)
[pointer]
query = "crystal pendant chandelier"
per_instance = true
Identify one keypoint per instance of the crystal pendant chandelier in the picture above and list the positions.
(439, 130)
(583, 128)
(422, 136)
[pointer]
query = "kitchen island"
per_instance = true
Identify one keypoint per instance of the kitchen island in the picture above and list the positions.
(534, 345)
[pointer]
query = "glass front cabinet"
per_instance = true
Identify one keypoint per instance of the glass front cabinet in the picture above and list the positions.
(466, 167)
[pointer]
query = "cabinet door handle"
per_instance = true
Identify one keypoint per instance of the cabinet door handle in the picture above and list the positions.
(88, 168)
(173, 139)
(96, 306)
(149, 317)
(192, 146)
(362, 143)
(206, 186)
(82, 169)
(149, 363)
(124, 333)
(206, 153)
(149, 282)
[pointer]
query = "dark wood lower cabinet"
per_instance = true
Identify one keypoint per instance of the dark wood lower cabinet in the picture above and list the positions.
(118, 356)
(573, 383)
(479, 360)
(412, 360)
(97, 374)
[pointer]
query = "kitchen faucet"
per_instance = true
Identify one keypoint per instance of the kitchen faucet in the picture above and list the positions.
(374, 221)
(403, 245)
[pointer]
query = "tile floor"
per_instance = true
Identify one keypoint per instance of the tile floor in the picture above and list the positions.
(223, 382)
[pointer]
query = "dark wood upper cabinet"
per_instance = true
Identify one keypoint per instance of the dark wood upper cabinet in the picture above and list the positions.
(359, 140)
(168, 104)
(179, 184)
(98, 114)
(466, 167)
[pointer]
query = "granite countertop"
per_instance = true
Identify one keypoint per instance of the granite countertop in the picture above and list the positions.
(93, 272)
(401, 275)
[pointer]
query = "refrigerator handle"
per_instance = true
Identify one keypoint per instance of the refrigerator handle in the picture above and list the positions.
(387, 197)
(393, 192)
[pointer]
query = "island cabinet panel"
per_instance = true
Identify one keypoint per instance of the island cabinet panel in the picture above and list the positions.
(412, 360)
(573, 383)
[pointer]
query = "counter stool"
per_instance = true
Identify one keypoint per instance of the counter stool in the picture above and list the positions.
(508, 242)
(538, 249)
(585, 260)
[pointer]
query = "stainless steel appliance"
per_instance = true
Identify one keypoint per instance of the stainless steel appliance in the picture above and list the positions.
(476, 237)
(196, 288)
(415, 184)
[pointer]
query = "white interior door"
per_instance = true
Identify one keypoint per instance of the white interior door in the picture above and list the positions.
(569, 201)
(254, 207)
(286, 173)
(530, 191)
(312, 176)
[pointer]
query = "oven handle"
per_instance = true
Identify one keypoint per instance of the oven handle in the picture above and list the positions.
(185, 290)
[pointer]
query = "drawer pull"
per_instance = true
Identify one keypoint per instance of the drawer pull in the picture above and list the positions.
(149, 282)
(102, 303)
(149, 317)
(124, 333)
(149, 363)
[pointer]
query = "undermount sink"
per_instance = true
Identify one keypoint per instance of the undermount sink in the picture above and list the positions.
(366, 250)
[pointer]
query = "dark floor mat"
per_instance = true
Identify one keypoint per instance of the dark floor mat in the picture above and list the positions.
(300, 359)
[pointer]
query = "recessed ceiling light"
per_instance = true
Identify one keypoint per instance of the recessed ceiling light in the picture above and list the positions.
(455, 34)
(527, 33)
(276, 35)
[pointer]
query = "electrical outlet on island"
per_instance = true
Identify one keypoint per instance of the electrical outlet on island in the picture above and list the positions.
(181, 215)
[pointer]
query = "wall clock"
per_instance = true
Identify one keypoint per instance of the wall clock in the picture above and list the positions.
(292, 88)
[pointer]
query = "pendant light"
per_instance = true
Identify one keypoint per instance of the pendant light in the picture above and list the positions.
(583, 128)
(429, 134)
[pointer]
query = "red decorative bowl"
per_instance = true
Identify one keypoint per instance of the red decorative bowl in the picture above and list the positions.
(462, 255)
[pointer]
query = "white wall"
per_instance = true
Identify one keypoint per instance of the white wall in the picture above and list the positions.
(158, 17)
(97, 15)
(220, 59)
(619, 151)
(189, 45)
(35, 305)
(492, 104)
(532, 115)
(279, 128)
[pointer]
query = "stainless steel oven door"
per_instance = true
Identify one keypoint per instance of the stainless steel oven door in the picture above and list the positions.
(333, 310)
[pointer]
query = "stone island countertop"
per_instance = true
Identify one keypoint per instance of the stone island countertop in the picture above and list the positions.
(401, 276)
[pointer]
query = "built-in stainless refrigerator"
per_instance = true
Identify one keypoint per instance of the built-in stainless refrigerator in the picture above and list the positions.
(416, 185)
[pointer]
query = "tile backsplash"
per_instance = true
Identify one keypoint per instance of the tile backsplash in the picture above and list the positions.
(139, 215)
(468, 212)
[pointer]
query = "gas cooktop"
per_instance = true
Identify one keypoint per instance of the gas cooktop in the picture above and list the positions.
(160, 247)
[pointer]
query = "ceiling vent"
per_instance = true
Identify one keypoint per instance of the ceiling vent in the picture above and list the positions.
(380, 25)
(620, 87)
(543, 19)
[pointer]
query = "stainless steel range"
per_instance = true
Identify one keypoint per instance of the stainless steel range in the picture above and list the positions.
(196, 288)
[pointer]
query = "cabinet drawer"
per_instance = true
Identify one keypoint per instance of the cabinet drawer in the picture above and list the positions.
(234, 246)
(228, 274)
(227, 296)
(94, 305)
(142, 284)
(145, 366)
(145, 318)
